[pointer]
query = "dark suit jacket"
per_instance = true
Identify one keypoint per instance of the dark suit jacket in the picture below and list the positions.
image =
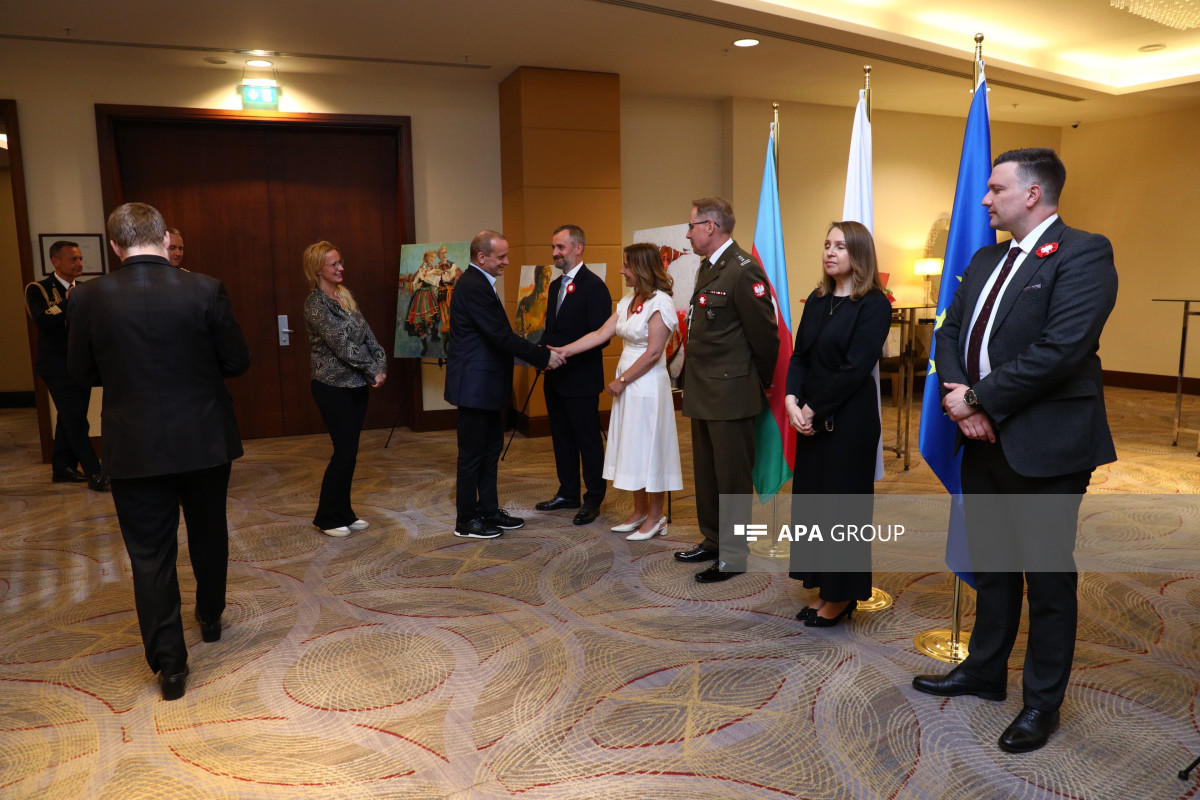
(160, 341)
(1045, 392)
(729, 358)
(47, 304)
(584, 310)
(479, 365)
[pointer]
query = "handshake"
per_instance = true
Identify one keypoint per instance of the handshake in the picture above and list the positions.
(557, 359)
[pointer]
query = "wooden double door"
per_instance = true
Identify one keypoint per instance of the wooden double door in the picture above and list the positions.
(249, 195)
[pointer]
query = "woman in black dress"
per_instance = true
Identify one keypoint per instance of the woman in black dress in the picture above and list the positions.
(832, 403)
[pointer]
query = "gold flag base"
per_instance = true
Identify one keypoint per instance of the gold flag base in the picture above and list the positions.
(942, 645)
(879, 601)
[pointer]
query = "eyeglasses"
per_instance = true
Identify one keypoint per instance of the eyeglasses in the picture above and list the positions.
(338, 263)
(702, 222)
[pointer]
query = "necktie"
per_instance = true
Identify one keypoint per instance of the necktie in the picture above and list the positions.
(705, 264)
(976, 341)
(562, 292)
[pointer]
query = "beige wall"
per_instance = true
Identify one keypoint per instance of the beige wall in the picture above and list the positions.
(16, 374)
(1136, 181)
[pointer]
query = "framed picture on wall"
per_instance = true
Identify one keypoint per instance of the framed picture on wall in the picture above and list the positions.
(91, 247)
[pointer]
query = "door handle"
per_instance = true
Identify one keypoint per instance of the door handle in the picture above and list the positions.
(285, 332)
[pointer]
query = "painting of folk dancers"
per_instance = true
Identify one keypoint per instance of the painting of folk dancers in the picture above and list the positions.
(428, 274)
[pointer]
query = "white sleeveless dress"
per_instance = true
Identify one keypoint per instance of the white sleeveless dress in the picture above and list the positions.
(643, 446)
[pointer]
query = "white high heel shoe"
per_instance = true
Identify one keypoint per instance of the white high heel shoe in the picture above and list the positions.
(659, 530)
(628, 527)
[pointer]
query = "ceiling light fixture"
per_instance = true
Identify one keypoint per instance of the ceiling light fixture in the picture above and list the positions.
(259, 62)
(215, 60)
(745, 43)
(1182, 15)
(1152, 48)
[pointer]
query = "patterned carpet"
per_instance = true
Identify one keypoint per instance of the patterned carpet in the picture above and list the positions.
(557, 662)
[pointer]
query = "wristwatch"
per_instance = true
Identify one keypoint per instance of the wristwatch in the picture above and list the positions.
(970, 399)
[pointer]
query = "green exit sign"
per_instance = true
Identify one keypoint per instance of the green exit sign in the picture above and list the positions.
(260, 97)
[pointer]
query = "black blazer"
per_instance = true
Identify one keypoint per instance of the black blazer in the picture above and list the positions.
(479, 364)
(584, 310)
(47, 303)
(1045, 390)
(160, 341)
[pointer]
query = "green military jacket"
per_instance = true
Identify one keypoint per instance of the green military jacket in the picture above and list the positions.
(732, 339)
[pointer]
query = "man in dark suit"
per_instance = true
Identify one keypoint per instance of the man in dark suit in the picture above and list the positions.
(479, 372)
(578, 303)
(47, 302)
(729, 359)
(1017, 355)
(161, 341)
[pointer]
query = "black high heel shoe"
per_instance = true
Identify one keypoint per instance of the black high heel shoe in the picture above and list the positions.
(806, 613)
(816, 621)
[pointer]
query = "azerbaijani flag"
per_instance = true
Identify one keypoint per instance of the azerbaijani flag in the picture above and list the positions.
(774, 440)
(969, 231)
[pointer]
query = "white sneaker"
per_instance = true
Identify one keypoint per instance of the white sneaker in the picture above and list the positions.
(359, 525)
(628, 527)
(338, 532)
(659, 530)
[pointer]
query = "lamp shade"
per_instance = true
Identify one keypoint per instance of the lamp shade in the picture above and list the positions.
(927, 266)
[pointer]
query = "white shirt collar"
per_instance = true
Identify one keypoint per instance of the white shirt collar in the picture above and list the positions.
(1032, 237)
(491, 278)
(717, 253)
(574, 273)
(63, 283)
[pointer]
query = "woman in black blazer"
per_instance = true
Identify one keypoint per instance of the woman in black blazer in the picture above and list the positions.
(832, 403)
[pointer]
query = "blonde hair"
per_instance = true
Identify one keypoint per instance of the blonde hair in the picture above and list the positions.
(314, 259)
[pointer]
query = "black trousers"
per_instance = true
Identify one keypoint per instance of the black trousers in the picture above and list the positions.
(71, 443)
(480, 440)
(1053, 602)
(575, 430)
(722, 463)
(148, 511)
(343, 411)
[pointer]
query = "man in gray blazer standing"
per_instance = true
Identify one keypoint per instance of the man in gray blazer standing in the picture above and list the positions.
(1017, 355)
(161, 341)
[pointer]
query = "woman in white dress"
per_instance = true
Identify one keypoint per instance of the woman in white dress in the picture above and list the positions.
(643, 446)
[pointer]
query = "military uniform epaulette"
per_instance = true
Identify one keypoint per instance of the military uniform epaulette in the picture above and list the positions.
(744, 259)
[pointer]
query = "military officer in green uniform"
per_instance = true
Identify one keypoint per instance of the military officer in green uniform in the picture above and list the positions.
(729, 358)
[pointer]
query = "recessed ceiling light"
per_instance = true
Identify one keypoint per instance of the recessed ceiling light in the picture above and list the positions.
(258, 62)
(1152, 48)
(746, 43)
(215, 60)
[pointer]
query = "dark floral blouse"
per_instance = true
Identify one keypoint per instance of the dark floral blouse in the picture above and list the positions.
(344, 351)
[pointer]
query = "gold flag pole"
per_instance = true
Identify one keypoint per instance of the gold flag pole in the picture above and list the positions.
(879, 599)
(951, 645)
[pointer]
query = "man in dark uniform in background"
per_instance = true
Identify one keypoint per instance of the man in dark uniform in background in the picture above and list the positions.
(47, 302)
(579, 302)
(729, 359)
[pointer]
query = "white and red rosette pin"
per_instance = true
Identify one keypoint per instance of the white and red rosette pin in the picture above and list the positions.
(703, 300)
(1046, 249)
(571, 288)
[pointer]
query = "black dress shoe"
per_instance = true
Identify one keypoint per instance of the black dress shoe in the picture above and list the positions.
(714, 575)
(556, 504)
(815, 620)
(1029, 731)
(806, 612)
(173, 686)
(586, 515)
(696, 555)
(477, 529)
(98, 482)
(68, 476)
(209, 631)
(956, 682)
(502, 519)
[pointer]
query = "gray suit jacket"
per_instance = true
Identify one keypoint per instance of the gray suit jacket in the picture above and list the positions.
(1045, 392)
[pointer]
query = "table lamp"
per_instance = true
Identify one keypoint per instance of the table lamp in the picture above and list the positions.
(928, 267)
